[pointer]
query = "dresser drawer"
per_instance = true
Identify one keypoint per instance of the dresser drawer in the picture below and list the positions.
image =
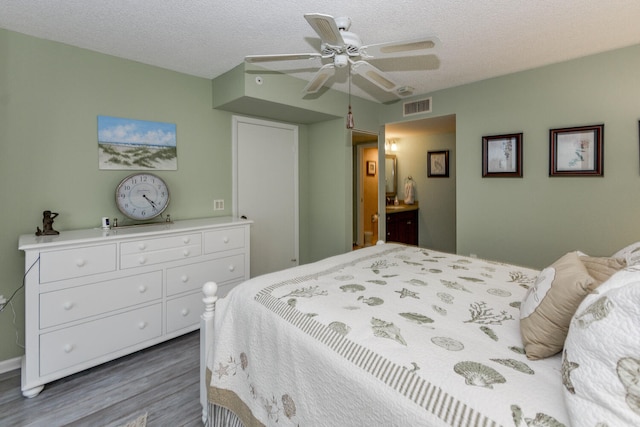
(77, 262)
(79, 302)
(79, 344)
(223, 240)
(149, 258)
(183, 312)
(191, 277)
(161, 243)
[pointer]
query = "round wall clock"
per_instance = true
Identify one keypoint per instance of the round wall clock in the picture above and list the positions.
(142, 196)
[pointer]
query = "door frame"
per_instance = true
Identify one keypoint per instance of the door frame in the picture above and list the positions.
(372, 139)
(360, 219)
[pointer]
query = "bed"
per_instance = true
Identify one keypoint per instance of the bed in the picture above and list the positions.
(395, 335)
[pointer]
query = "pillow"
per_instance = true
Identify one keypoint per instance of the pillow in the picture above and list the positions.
(601, 268)
(601, 358)
(630, 253)
(547, 308)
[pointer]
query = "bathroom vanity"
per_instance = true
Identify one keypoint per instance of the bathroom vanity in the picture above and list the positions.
(402, 223)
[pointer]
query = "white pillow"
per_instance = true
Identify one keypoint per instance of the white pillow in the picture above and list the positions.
(629, 253)
(601, 358)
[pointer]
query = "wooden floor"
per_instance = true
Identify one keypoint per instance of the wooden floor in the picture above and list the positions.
(161, 381)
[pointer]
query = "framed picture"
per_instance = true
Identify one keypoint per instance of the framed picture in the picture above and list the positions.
(371, 167)
(438, 164)
(129, 144)
(502, 156)
(576, 151)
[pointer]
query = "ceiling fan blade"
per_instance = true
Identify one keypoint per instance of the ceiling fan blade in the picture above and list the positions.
(325, 26)
(283, 57)
(320, 78)
(374, 75)
(400, 48)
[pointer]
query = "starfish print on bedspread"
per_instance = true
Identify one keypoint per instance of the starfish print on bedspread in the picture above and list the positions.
(407, 293)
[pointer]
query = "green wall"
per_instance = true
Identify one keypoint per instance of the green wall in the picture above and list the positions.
(534, 220)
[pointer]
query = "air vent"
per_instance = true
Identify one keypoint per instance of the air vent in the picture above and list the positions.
(416, 107)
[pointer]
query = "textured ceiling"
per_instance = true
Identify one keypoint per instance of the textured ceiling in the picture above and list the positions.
(205, 38)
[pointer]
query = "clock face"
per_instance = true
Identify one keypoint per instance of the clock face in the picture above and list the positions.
(142, 196)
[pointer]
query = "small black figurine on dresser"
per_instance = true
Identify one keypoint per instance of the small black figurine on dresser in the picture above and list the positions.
(47, 224)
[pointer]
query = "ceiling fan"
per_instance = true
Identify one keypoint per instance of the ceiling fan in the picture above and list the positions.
(344, 48)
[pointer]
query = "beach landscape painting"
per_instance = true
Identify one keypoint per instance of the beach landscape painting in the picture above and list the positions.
(136, 144)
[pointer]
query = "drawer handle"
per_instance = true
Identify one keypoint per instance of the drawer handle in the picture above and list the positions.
(232, 267)
(184, 278)
(142, 325)
(142, 260)
(68, 305)
(68, 348)
(186, 252)
(142, 246)
(408, 222)
(185, 312)
(142, 289)
(80, 262)
(225, 239)
(186, 240)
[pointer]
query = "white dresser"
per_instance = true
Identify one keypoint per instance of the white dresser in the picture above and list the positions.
(94, 295)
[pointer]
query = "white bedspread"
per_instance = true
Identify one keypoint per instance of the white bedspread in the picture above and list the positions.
(389, 335)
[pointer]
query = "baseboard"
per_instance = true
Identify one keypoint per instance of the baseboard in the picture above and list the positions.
(10, 364)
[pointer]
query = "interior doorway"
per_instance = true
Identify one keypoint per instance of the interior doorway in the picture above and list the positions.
(435, 195)
(365, 191)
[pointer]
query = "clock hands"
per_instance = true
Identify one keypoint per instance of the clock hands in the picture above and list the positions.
(151, 202)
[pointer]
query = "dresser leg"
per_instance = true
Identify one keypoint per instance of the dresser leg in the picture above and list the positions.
(32, 392)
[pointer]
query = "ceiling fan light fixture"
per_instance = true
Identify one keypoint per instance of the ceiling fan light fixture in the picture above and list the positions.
(341, 60)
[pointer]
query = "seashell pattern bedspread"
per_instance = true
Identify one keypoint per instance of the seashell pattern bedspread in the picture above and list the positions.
(389, 335)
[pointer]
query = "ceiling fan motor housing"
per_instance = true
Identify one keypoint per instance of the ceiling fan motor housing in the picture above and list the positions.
(351, 46)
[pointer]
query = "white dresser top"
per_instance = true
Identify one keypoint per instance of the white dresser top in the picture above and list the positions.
(31, 241)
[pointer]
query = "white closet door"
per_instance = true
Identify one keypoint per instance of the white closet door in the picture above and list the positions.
(265, 190)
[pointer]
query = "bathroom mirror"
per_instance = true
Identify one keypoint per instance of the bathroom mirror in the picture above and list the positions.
(391, 178)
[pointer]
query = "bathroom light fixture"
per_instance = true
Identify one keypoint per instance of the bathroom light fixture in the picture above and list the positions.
(350, 123)
(391, 144)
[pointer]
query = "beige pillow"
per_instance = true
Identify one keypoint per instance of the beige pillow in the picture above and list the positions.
(547, 309)
(601, 268)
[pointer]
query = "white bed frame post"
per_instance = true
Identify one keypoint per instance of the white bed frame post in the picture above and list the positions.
(209, 289)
